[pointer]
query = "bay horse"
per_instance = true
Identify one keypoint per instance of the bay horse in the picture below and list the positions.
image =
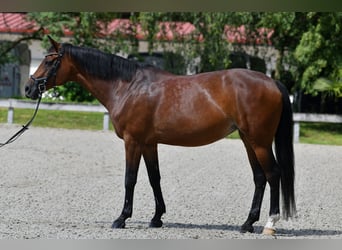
(148, 106)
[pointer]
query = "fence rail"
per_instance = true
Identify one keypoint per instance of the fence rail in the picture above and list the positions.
(11, 104)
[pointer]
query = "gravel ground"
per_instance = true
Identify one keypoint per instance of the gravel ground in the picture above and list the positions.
(68, 184)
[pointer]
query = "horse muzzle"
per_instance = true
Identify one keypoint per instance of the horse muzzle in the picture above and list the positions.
(35, 87)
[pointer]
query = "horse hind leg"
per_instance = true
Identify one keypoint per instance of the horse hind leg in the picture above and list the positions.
(264, 169)
(272, 173)
(260, 184)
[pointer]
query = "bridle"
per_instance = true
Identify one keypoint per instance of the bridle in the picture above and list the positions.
(42, 81)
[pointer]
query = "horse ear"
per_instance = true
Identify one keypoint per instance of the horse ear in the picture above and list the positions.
(54, 43)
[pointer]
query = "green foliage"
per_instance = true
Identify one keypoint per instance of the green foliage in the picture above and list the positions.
(215, 50)
(206, 42)
(324, 85)
(6, 52)
(319, 52)
(310, 44)
(287, 30)
(175, 63)
(71, 91)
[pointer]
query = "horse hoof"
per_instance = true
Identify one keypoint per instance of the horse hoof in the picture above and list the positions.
(247, 228)
(118, 224)
(156, 223)
(268, 231)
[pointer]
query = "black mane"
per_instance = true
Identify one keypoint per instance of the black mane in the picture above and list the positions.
(102, 65)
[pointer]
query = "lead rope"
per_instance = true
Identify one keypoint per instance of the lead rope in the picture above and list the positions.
(25, 127)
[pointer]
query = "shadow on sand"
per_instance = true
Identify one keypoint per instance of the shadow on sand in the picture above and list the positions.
(258, 229)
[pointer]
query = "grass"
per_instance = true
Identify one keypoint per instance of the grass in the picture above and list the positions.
(321, 133)
(57, 119)
(313, 133)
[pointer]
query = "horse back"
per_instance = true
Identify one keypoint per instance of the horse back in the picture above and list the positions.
(213, 104)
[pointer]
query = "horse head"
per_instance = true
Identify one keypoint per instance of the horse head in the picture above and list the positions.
(49, 73)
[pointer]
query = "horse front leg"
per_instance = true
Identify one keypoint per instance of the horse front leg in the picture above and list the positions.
(150, 154)
(133, 156)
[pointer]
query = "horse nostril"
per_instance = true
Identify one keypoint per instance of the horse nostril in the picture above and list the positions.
(27, 91)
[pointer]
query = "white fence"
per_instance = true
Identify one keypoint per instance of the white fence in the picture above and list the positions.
(11, 104)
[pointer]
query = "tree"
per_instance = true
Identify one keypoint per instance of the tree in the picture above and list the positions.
(214, 49)
(287, 31)
(309, 46)
(206, 43)
(319, 53)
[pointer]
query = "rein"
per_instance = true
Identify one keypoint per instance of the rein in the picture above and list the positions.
(41, 86)
(24, 127)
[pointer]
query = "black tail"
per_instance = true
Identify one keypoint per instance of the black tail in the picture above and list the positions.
(285, 154)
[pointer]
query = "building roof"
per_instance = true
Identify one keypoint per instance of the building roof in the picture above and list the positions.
(18, 24)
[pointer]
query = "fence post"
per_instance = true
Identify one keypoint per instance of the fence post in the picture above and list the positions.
(10, 113)
(296, 129)
(105, 121)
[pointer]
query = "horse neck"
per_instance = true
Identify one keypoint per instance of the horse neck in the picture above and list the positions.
(105, 90)
(102, 90)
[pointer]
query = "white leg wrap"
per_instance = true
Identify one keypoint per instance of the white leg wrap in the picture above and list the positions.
(271, 221)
